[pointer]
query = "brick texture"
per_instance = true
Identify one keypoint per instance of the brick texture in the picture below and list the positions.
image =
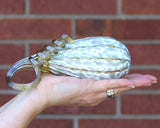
(99, 109)
(3, 79)
(33, 28)
(11, 7)
(27, 25)
(51, 123)
(73, 7)
(101, 123)
(86, 28)
(119, 29)
(140, 54)
(141, 7)
(10, 53)
(140, 104)
(5, 98)
(36, 47)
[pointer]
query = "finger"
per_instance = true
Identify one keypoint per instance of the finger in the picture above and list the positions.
(152, 78)
(136, 75)
(142, 80)
(129, 76)
(139, 81)
(103, 85)
(118, 91)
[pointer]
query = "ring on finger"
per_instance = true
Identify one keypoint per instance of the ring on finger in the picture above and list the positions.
(110, 93)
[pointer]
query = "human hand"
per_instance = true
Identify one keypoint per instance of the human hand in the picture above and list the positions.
(62, 90)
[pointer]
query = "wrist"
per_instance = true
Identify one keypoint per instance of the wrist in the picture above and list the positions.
(34, 101)
(23, 109)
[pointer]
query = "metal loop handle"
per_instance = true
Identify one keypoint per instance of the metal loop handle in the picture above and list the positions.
(22, 64)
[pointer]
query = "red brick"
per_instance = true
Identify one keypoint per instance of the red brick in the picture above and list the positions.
(11, 7)
(73, 6)
(144, 54)
(140, 104)
(125, 123)
(86, 28)
(154, 72)
(33, 48)
(136, 29)
(99, 109)
(10, 53)
(141, 6)
(33, 28)
(119, 29)
(51, 123)
(3, 79)
(5, 98)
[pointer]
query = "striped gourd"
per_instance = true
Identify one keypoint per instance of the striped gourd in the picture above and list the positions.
(91, 57)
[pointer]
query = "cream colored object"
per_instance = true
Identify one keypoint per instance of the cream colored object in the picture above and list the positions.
(91, 57)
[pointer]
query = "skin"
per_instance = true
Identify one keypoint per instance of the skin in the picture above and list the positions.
(64, 91)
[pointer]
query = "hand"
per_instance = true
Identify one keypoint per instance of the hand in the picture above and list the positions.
(61, 90)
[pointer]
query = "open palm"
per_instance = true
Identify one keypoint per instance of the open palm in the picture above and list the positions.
(64, 90)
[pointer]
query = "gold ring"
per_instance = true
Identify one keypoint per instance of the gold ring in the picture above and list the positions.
(110, 93)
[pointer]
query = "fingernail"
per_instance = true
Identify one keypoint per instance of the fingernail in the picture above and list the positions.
(148, 85)
(131, 86)
(154, 82)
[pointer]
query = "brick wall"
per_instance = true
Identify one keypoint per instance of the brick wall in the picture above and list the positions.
(26, 25)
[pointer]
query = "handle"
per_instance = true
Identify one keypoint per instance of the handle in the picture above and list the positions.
(22, 64)
(38, 62)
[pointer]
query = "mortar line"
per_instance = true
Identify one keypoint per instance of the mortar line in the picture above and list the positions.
(75, 123)
(138, 42)
(24, 41)
(118, 106)
(5, 66)
(8, 92)
(119, 7)
(73, 28)
(26, 49)
(143, 92)
(51, 116)
(27, 8)
(142, 67)
(64, 16)
(79, 117)
(54, 16)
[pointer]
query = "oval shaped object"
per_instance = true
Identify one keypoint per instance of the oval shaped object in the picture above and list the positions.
(91, 57)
